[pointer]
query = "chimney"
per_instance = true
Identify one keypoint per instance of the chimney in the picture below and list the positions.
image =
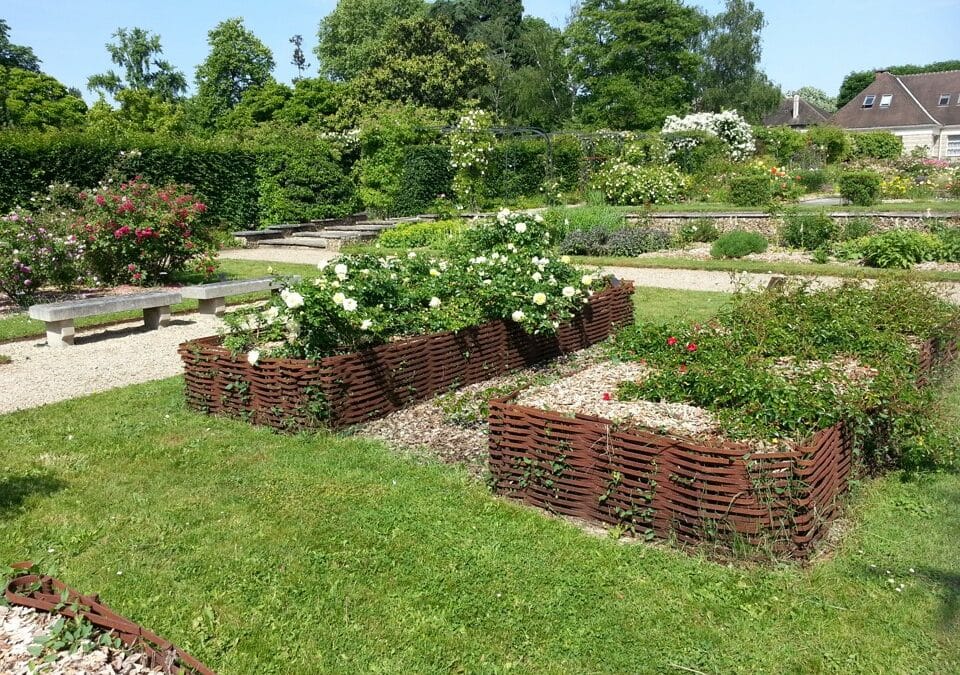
(796, 106)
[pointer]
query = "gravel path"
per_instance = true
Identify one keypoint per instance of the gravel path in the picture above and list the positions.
(101, 359)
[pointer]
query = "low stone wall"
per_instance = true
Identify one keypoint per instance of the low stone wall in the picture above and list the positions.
(769, 226)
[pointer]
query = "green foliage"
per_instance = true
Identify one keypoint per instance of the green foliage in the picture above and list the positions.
(135, 232)
(950, 243)
(349, 36)
(853, 84)
(812, 180)
(420, 62)
(16, 56)
(426, 177)
(237, 61)
(516, 168)
(809, 231)
(737, 244)
(568, 162)
(301, 181)
(619, 90)
(783, 143)
(751, 189)
(861, 188)
(901, 249)
(877, 145)
(694, 151)
(817, 97)
(589, 241)
(832, 141)
(627, 184)
(140, 111)
(30, 100)
(855, 228)
(433, 234)
(632, 241)
(701, 230)
(563, 219)
(137, 52)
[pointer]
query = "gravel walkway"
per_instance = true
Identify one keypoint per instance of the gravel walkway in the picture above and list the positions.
(101, 359)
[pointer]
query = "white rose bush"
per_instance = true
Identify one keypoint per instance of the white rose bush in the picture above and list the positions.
(506, 268)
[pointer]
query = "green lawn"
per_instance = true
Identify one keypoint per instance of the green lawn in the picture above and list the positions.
(262, 553)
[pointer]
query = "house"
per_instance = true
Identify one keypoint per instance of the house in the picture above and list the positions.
(922, 109)
(796, 113)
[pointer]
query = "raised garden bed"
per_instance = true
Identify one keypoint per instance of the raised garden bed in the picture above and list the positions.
(671, 487)
(346, 389)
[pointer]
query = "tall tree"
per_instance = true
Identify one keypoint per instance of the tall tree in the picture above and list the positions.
(137, 52)
(16, 56)
(32, 100)
(731, 78)
(634, 60)
(421, 62)
(817, 97)
(354, 30)
(538, 91)
(237, 61)
(298, 59)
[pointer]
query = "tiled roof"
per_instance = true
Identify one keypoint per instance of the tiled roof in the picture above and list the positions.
(914, 102)
(809, 114)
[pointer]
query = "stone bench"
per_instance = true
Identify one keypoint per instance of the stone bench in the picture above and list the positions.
(59, 316)
(213, 296)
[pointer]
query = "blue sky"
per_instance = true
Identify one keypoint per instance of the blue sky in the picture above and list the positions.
(815, 43)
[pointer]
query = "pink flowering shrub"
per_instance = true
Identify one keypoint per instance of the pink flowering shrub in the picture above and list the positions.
(36, 251)
(138, 233)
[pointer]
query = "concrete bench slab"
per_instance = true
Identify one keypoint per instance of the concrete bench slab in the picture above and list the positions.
(212, 297)
(59, 316)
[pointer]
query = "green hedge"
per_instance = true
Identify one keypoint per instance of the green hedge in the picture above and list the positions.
(877, 145)
(426, 175)
(516, 168)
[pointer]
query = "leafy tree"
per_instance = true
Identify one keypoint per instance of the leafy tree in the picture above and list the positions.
(351, 34)
(817, 97)
(538, 93)
(858, 80)
(421, 62)
(237, 61)
(32, 100)
(16, 56)
(298, 59)
(731, 54)
(138, 111)
(315, 102)
(137, 52)
(496, 23)
(634, 60)
(258, 105)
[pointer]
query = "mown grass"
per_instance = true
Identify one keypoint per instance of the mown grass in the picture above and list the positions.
(20, 326)
(263, 553)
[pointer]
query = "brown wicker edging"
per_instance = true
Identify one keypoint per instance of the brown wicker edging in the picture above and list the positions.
(346, 389)
(47, 594)
(665, 487)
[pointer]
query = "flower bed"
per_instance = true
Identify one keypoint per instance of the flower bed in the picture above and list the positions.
(344, 389)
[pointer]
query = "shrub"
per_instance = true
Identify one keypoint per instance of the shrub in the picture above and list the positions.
(432, 234)
(783, 143)
(808, 231)
(631, 241)
(950, 240)
(877, 145)
(833, 141)
(698, 230)
(861, 188)
(811, 179)
(564, 219)
(901, 249)
(626, 184)
(693, 151)
(855, 228)
(426, 176)
(516, 168)
(302, 181)
(737, 244)
(584, 242)
(750, 190)
(567, 162)
(728, 126)
(135, 232)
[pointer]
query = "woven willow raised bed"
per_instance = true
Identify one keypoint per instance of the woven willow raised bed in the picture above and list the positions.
(675, 488)
(346, 389)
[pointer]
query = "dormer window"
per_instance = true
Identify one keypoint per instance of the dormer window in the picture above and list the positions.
(944, 99)
(885, 100)
(868, 101)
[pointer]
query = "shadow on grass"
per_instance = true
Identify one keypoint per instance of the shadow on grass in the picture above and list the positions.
(15, 490)
(950, 582)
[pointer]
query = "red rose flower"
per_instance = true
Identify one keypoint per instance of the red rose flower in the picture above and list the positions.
(683, 367)
(606, 396)
(692, 347)
(671, 341)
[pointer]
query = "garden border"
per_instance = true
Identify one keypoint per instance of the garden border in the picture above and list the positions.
(345, 389)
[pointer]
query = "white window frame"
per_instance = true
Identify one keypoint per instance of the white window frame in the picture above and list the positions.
(953, 145)
(868, 101)
(944, 100)
(885, 100)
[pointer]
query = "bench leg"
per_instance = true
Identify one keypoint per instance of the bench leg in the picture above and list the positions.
(154, 317)
(60, 333)
(213, 306)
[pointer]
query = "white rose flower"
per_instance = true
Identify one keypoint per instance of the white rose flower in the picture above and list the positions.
(291, 298)
(568, 291)
(271, 314)
(338, 298)
(586, 280)
(536, 276)
(565, 259)
(349, 305)
(411, 255)
(435, 302)
(366, 324)
(322, 265)
(434, 272)
(539, 298)
(253, 356)
(341, 271)
(538, 218)
(520, 228)
(518, 315)
(502, 216)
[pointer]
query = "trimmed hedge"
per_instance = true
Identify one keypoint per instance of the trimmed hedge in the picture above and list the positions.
(861, 188)
(426, 175)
